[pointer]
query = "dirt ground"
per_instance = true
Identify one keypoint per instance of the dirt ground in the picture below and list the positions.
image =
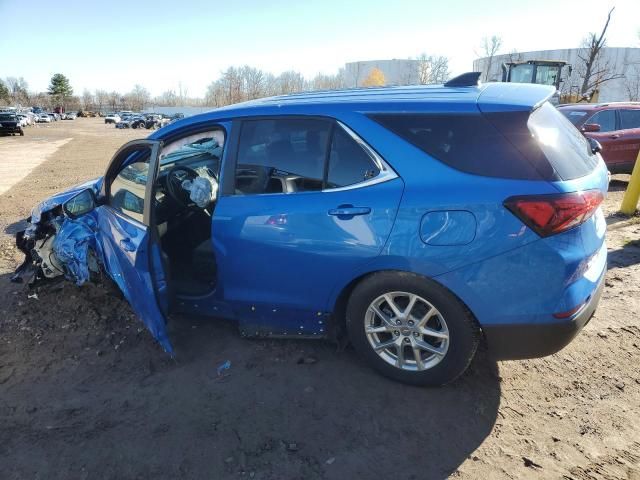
(86, 393)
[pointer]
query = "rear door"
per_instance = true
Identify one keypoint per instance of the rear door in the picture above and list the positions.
(609, 135)
(305, 203)
(131, 252)
(630, 142)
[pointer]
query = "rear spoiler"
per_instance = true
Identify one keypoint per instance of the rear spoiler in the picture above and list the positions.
(506, 97)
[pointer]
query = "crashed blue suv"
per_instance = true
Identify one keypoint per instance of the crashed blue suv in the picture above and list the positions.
(414, 221)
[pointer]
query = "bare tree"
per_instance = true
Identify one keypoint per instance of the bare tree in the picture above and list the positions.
(168, 98)
(327, 82)
(253, 80)
(114, 100)
(593, 69)
(432, 69)
(17, 87)
(290, 82)
(101, 98)
(138, 98)
(490, 47)
(88, 101)
(632, 83)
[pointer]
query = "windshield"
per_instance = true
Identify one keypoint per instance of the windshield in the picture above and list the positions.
(522, 73)
(7, 116)
(547, 75)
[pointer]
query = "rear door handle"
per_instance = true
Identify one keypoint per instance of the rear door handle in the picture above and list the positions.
(615, 135)
(127, 245)
(349, 211)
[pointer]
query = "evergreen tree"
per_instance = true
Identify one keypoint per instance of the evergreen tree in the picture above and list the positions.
(60, 88)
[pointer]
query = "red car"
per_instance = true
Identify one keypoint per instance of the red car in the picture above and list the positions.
(615, 125)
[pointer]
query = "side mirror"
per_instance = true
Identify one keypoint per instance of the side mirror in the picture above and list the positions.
(82, 203)
(591, 127)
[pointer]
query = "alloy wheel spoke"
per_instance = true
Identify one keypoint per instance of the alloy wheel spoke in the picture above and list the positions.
(400, 356)
(378, 329)
(427, 316)
(412, 302)
(422, 345)
(418, 358)
(383, 316)
(392, 305)
(430, 332)
(385, 344)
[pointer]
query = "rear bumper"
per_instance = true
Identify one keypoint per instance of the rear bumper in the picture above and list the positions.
(519, 341)
(16, 129)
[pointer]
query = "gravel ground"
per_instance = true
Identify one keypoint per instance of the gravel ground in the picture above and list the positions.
(86, 393)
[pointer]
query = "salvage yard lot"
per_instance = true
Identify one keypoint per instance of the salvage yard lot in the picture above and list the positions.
(86, 393)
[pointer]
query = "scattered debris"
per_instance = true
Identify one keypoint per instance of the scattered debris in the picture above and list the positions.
(309, 390)
(221, 369)
(292, 447)
(330, 460)
(310, 360)
(33, 295)
(530, 463)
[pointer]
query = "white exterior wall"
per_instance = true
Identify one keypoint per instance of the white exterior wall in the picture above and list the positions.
(624, 61)
(396, 71)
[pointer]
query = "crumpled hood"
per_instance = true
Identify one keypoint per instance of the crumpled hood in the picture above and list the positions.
(59, 198)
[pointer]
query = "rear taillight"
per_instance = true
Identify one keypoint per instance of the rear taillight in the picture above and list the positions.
(550, 214)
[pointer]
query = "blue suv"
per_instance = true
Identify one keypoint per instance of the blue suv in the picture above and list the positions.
(414, 220)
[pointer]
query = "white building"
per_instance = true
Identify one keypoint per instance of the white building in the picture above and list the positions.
(396, 72)
(622, 61)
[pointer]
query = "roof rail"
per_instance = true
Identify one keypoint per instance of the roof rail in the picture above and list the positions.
(469, 79)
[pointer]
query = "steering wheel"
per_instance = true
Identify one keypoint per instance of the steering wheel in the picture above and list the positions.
(175, 176)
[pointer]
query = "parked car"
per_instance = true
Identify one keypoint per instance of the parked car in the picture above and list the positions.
(69, 116)
(112, 118)
(616, 126)
(44, 118)
(131, 121)
(412, 219)
(53, 116)
(10, 124)
(23, 119)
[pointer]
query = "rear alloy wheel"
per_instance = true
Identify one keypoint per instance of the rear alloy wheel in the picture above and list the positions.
(411, 329)
(406, 331)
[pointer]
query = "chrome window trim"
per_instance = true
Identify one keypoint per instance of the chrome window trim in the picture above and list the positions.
(386, 172)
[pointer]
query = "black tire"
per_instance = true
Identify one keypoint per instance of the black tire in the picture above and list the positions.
(462, 328)
(22, 133)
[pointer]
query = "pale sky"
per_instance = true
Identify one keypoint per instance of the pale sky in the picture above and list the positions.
(115, 44)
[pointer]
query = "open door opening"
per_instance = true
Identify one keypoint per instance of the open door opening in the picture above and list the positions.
(185, 194)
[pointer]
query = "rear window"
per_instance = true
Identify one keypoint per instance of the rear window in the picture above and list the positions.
(562, 144)
(540, 146)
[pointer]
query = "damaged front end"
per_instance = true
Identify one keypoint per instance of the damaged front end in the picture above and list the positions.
(60, 240)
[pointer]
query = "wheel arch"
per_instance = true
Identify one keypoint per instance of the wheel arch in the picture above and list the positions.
(339, 308)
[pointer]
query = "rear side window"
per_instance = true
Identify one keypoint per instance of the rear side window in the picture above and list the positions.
(349, 163)
(466, 142)
(630, 119)
(606, 119)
